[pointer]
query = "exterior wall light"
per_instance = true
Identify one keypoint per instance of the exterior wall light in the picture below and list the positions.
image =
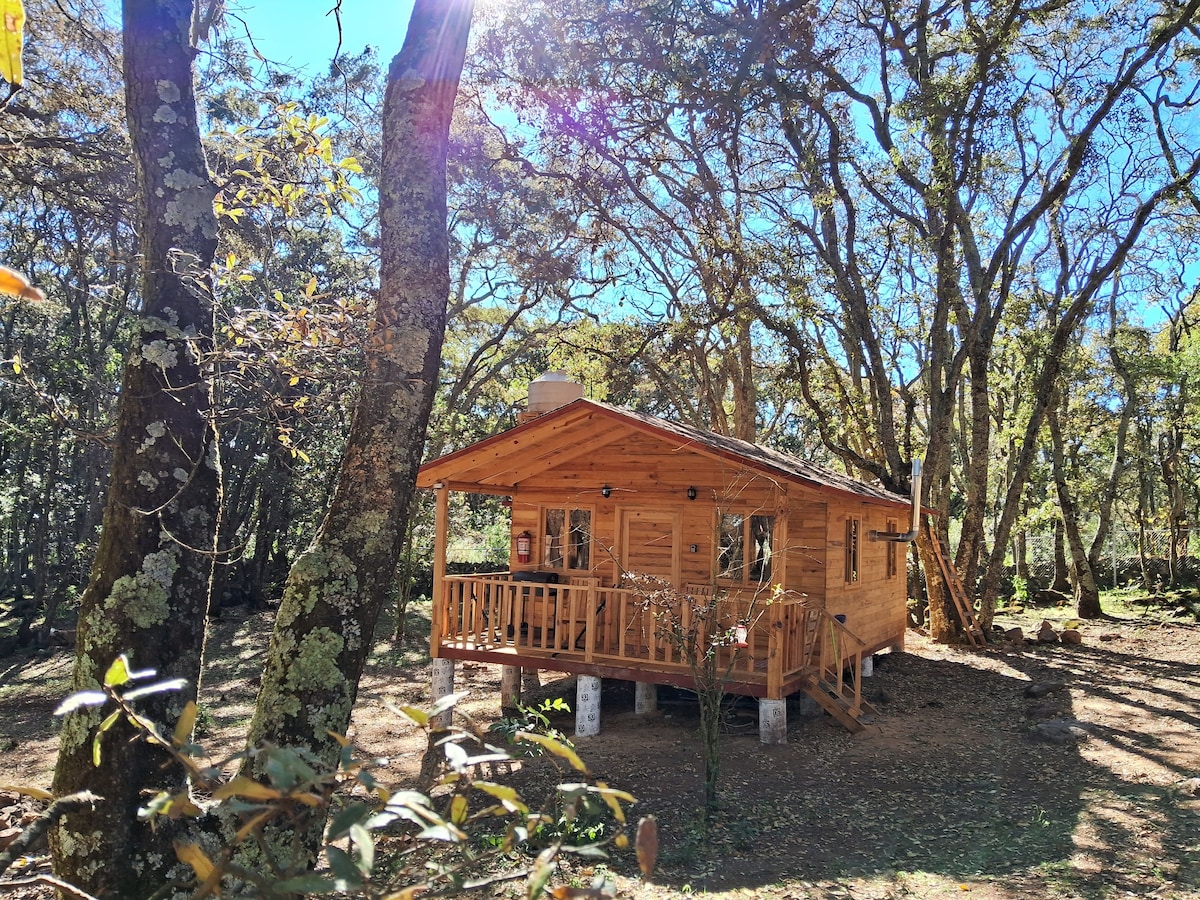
(691, 493)
(606, 491)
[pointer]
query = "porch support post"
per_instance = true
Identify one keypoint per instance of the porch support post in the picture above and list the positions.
(867, 668)
(442, 671)
(587, 706)
(772, 721)
(510, 686)
(440, 541)
(645, 698)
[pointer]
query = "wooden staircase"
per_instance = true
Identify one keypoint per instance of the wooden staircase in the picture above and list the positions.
(833, 651)
(964, 604)
(843, 708)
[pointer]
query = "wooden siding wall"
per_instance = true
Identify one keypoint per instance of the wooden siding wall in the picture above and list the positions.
(645, 473)
(648, 474)
(874, 605)
(805, 545)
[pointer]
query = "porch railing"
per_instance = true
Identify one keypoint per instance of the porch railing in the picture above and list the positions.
(788, 641)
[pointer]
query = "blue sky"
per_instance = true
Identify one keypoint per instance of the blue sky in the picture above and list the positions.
(304, 34)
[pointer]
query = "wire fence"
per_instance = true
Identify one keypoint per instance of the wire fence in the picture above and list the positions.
(1129, 557)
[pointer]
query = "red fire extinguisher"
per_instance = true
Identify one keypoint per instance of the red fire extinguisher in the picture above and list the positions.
(524, 543)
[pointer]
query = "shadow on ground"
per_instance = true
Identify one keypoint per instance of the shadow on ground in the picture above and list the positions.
(949, 781)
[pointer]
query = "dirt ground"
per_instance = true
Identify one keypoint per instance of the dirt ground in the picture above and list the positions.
(951, 790)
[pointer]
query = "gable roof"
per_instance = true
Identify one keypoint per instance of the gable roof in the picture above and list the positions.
(497, 464)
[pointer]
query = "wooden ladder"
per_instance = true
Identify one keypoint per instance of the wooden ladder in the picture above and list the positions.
(958, 593)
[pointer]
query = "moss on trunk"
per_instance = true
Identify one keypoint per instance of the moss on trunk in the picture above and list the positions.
(149, 588)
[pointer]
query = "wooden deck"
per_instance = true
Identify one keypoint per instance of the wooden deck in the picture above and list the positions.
(790, 645)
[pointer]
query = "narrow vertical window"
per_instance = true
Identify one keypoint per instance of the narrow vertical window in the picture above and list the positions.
(732, 553)
(552, 552)
(852, 529)
(579, 545)
(761, 528)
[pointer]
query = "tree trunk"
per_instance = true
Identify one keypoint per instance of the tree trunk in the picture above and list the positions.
(335, 590)
(1109, 495)
(978, 455)
(274, 495)
(1087, 593)
(1062, 575)
(944, 624)
(1021, 556)
(149, 586)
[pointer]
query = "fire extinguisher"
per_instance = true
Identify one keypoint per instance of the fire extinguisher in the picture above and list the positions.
(524, 543)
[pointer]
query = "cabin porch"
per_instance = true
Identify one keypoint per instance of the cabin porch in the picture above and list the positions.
(585, 628)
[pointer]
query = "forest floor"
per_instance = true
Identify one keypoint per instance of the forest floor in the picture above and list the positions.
(949, 791)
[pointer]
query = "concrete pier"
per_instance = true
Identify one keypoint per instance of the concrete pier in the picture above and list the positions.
(510, 687)
(772, 721)
(587, 706)
(645, 698)
(442, 671)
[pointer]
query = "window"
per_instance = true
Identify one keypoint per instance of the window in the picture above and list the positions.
(568, 539)
(893, 566)
(852, 532)
(745, 548)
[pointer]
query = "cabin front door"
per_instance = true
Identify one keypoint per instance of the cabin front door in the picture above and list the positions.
(650, 542)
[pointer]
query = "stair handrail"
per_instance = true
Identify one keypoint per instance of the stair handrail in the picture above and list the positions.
(833, 657)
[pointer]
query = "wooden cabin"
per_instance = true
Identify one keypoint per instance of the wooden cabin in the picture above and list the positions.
(621, 518)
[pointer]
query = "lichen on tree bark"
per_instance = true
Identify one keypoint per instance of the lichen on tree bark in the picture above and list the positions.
(149, 587)
(335, 591)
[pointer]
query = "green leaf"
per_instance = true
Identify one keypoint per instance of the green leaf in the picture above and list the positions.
(414, 714)
(555, 747)
(96, 749)
(540, 876)
(445, 703)
(118, 672)
(499, 791)
(366, 849)
(121, 672)
(343, 868)
(158, 688)
(12, 37)
(81, 698)
(285, 767)
(354, 814)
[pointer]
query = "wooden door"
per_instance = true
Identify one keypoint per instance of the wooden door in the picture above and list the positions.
(650, 542)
